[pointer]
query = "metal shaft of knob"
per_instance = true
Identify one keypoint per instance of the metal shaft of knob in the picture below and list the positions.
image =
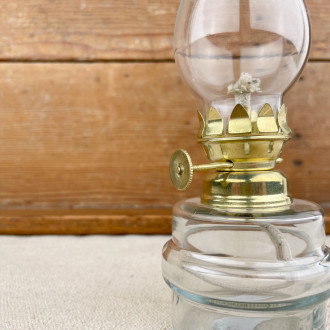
(214, 166)
(205, 167)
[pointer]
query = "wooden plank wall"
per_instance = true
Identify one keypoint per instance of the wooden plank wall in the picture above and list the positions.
(92, 108)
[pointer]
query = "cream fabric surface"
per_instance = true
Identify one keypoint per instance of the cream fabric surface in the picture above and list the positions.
(83, 282)
(87, 282)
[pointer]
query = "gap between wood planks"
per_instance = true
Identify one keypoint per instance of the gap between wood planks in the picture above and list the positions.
(91, 61)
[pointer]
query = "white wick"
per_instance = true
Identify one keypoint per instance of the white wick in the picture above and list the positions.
(243, 88)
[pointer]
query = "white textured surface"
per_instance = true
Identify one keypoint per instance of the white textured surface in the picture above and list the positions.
(89, 282)
(85, 283)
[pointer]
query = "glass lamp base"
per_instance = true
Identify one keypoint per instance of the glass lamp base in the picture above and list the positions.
(188, 315)
(247, 270)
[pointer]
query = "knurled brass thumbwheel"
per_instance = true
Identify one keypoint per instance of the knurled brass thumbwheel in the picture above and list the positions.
(181, 169)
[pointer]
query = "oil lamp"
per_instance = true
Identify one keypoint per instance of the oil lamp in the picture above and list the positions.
(245, 255)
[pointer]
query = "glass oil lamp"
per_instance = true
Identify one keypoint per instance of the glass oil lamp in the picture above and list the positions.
(244, 255)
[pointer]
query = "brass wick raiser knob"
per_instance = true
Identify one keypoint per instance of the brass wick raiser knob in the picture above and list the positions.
(182, 169)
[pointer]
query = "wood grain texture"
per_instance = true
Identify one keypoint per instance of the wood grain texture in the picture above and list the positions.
(83, 222)
(85, 147)
(87, 29)
(115, 29)
(100, 136)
